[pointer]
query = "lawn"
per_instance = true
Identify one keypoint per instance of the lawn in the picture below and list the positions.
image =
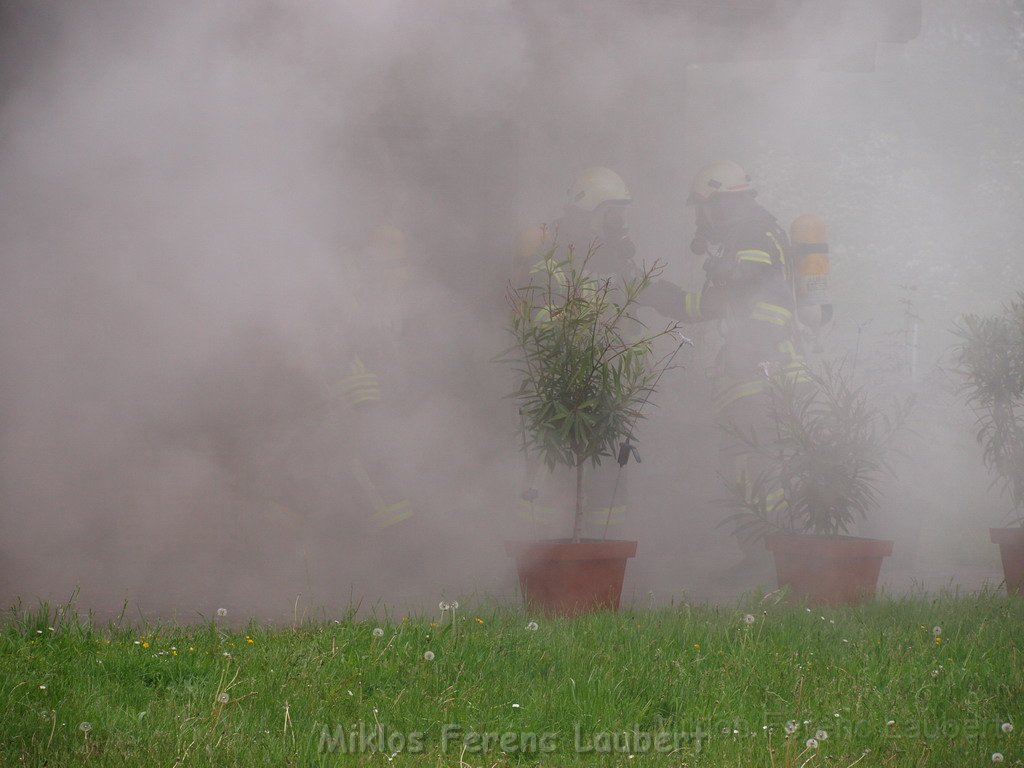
(922, 681)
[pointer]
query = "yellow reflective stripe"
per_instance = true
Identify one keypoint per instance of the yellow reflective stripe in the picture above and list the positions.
(798, 376)
(692, 306)
(383, 514)
(765, 318)
(776, 500)
(362, 386)
(601, 515)
(771, 313)
(362, 391)
(536, 513)
(774, 309)
(782, 253)
(737, 392)
(755, 256)
(390, 514)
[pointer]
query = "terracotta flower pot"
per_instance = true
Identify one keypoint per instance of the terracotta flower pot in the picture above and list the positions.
(560, 578)
(1011, 549)
(828, 569)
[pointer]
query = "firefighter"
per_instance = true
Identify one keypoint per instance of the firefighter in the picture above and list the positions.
(376, 394)
(748, 293)
(594, 217)
(593, 221)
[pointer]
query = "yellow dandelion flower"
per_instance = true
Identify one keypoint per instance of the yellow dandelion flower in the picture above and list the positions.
(249, 640)
(479, 620)
(191, 647)
(696, 646)
(434, 624)
(938, 640)
(174, 653)
(145, 644)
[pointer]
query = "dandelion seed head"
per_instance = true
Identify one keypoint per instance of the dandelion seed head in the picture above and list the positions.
(1007, 727)
(428, 656)
(443, 606)
(532, 626)
(936, 631)
(378, 632)
(455, 605)
(891, 723)
(812, 743)
(749, 619)
(791, 727)
(223, 697)
(935, 673)
(821, 735)
(222, 612)
(85, 726)
(997, 757)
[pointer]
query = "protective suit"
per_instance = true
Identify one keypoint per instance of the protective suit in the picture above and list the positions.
(594, 221)
(747, 292)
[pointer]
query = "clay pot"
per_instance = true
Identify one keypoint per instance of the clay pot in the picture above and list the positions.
(559, 578)
(836, 570)
(1011, 549)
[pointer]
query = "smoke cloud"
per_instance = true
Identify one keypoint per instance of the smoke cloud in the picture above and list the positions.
(198, 199)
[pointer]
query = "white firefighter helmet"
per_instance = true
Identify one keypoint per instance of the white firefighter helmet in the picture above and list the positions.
(596, 186)
(387, 252)
(724, 177)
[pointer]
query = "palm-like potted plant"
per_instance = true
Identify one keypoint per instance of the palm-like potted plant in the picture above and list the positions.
(586, 368)
(990, 359)
(816, 463)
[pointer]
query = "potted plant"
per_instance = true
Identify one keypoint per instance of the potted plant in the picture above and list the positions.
(991, 361)
(585, 368)
(820, 456)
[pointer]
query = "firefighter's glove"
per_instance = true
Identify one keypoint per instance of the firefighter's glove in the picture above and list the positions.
(666, 298)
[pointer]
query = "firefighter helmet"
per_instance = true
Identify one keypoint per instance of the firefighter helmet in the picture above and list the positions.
(725, 177)
(596, 186)
(387, 250)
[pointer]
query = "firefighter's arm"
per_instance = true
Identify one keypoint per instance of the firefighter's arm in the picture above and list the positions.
(672, 301)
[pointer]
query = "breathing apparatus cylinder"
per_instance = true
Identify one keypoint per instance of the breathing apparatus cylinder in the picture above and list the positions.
(810, 270)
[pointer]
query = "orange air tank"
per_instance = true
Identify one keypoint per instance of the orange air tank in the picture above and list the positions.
(810, 265)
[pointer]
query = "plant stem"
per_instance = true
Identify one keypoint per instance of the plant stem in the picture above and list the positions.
(577, 523)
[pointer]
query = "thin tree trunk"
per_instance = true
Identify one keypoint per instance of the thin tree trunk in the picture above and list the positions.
(577, 524)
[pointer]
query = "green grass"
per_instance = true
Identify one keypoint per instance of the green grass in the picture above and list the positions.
(721, 689)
